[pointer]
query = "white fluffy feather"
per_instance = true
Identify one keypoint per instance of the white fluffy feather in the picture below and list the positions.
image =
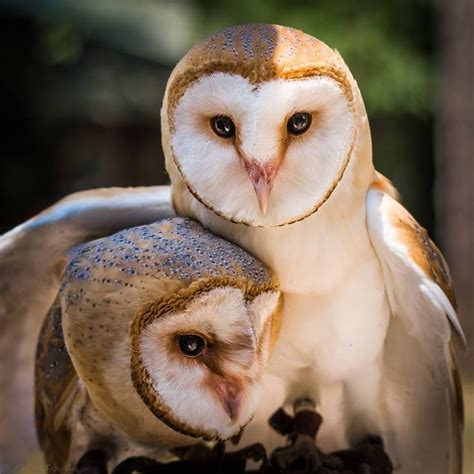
(422, 428)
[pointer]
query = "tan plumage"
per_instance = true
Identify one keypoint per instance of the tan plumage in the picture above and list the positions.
(125, 302)
(57, 386)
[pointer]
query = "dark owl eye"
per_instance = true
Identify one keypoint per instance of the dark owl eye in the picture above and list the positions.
(223, 126)
(191, 345)
(299, 122)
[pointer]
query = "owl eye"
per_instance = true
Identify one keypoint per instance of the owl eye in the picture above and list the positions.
(299, 123)
(223, 126)
(191, 345)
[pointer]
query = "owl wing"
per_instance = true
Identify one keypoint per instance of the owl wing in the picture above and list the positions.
(32, 258)
(421, 383)
(57, 387)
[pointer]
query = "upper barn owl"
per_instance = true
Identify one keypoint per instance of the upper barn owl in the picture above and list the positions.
(267, 143)
(158, 339)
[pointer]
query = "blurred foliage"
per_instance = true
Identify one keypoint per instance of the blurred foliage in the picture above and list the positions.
(153, 29)
(388, 45)
(74, 65)
(468, 387)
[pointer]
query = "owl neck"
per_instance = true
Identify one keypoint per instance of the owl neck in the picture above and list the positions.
(313, 255)
(318, 253)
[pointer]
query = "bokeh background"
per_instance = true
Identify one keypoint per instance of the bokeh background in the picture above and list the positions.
(81, 85)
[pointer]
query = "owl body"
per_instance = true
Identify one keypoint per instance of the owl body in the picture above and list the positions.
(115, 366)
(335, 313)
(267, 143)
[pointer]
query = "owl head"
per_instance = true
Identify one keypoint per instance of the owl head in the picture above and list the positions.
(197, 362)
(263, 124)
(167, 323)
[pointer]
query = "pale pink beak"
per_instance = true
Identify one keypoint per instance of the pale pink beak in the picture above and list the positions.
(232, 406)
(231, 399)
(262, 190)
(261, 177)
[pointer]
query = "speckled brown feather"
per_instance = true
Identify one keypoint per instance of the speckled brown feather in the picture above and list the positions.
(55, 380)
(31, 262)
(258, 52)
(425, 253)
(383, 184)
(422, 249)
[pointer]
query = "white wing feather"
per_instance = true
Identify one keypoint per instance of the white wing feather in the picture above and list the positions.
(422, 393)
(32, 258)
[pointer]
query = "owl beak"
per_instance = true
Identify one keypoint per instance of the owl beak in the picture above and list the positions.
(262, 190)
(261, 177)
(232, 405)
(231, 398)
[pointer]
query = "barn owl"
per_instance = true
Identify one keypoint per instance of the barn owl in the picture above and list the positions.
(158, 340)
(267, 143)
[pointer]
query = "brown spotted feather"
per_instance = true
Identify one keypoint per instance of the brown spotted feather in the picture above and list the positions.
(259, 53)
(426, 255)
(55, 379)
(422, 250)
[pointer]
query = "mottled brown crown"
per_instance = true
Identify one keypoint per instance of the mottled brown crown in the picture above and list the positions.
(177, 249)
(260, 53)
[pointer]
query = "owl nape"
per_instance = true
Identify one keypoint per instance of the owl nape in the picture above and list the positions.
(300, 456)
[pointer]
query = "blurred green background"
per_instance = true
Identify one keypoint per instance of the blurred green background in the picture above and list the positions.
(82, 81)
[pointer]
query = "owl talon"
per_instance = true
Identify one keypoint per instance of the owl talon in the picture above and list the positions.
(139, 464)
(367, 457)
(255, 452)
(198, 459)
(305, 421)
(92, 462)
(281, 422)
(300, 457)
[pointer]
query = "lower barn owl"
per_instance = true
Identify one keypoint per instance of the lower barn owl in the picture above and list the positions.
(267, 143)
(158, 340)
